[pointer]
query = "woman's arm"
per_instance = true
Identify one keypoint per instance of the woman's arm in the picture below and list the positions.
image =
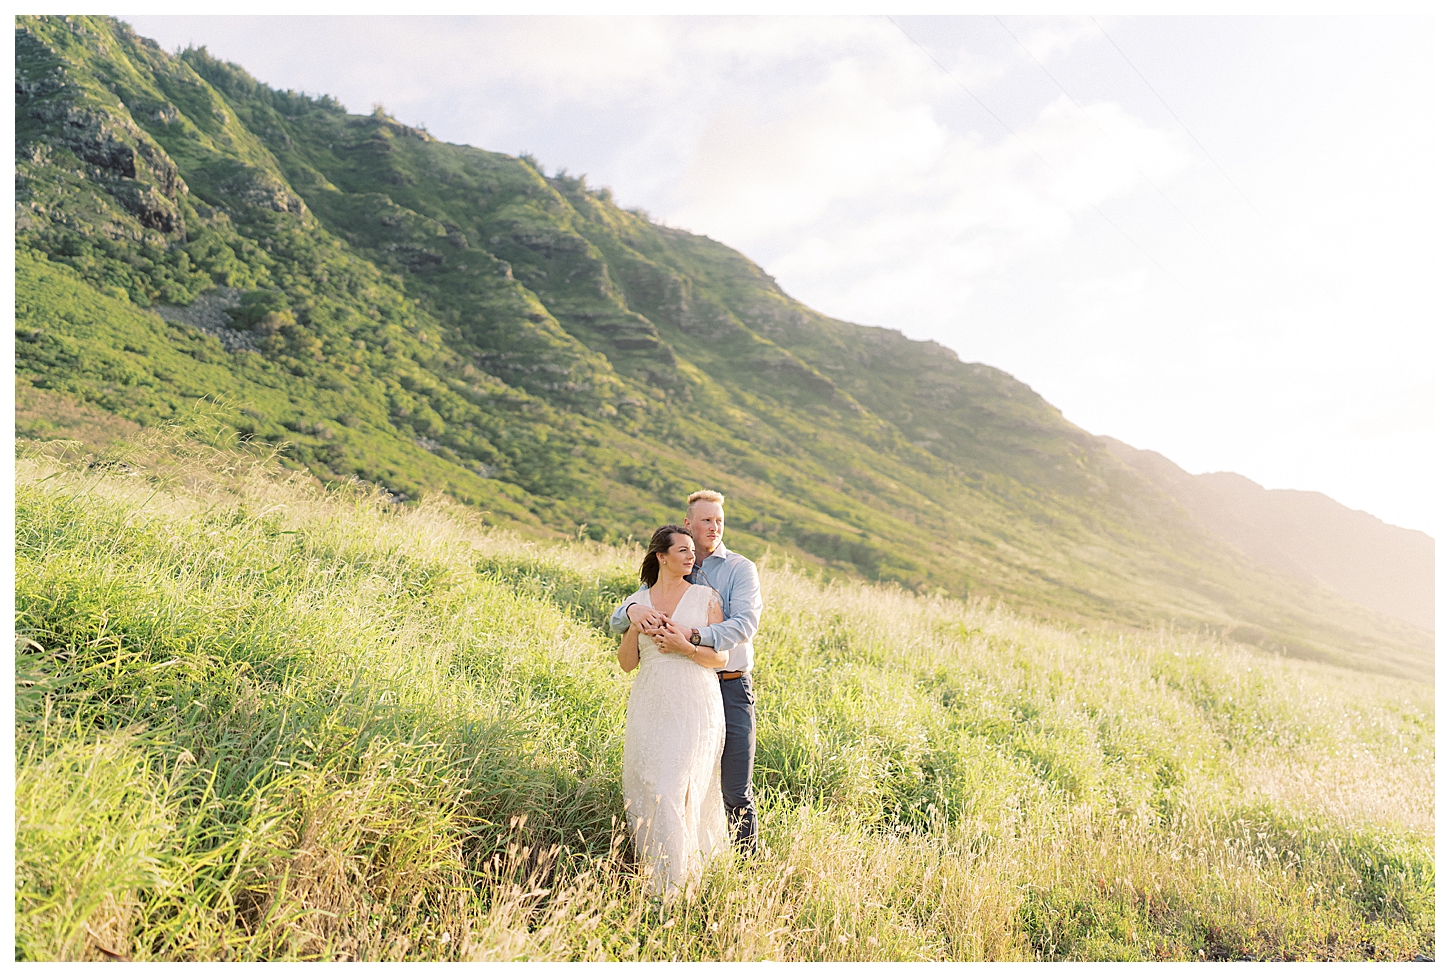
(676, 641)
(629, 649)
(707, 657)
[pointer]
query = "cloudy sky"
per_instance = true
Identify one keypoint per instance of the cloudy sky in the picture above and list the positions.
(1211, 237)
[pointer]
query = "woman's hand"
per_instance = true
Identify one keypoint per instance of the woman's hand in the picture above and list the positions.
(674, 640)
(647, 619)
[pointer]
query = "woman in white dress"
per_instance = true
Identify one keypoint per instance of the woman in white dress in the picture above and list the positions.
(675, 730)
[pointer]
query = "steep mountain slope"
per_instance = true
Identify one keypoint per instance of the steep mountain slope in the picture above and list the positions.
(1307, 535)
(436, 317)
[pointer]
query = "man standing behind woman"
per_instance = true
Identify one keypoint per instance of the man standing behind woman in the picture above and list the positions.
(735, 579)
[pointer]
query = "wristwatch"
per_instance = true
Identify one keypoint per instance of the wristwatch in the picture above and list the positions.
(695, 637)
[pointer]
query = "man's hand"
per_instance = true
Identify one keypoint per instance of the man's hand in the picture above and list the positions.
(647, 619)
(674, 640)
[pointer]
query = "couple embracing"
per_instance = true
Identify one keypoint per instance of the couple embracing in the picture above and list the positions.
(689, 739)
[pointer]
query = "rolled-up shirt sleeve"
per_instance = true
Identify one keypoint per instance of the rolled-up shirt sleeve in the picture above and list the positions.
(619, 620)
(745, 606)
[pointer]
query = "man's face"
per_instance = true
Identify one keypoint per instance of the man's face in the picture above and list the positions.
(706, 522)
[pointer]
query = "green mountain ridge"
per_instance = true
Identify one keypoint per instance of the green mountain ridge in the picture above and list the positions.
(435, 317)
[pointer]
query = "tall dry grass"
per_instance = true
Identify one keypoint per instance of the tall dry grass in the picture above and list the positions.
(259, 719)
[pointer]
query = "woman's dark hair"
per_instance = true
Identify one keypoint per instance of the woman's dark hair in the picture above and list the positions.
(660, 542)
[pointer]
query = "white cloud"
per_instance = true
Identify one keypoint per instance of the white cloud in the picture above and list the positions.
(756, 173)
(1056, 37)
(985, 53)
(928, 229)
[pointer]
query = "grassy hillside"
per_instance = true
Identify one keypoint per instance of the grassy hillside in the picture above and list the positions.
(430, 317)
(261, 719)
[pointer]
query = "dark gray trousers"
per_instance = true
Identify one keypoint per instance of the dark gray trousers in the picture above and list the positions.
(737, 763)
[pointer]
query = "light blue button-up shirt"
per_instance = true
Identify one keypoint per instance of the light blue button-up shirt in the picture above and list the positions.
(736, 581)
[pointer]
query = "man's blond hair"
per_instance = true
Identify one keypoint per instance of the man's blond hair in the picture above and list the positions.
(704, 495)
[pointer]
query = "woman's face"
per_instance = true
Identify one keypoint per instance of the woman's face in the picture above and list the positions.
(680, 557)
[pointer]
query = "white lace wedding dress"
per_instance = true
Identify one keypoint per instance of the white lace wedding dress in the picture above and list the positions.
(673, 738)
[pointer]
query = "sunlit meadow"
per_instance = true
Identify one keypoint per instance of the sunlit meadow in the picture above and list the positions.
(260, 719)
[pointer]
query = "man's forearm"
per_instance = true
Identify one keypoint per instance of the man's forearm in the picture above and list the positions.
(741, 626)
(729, 633)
